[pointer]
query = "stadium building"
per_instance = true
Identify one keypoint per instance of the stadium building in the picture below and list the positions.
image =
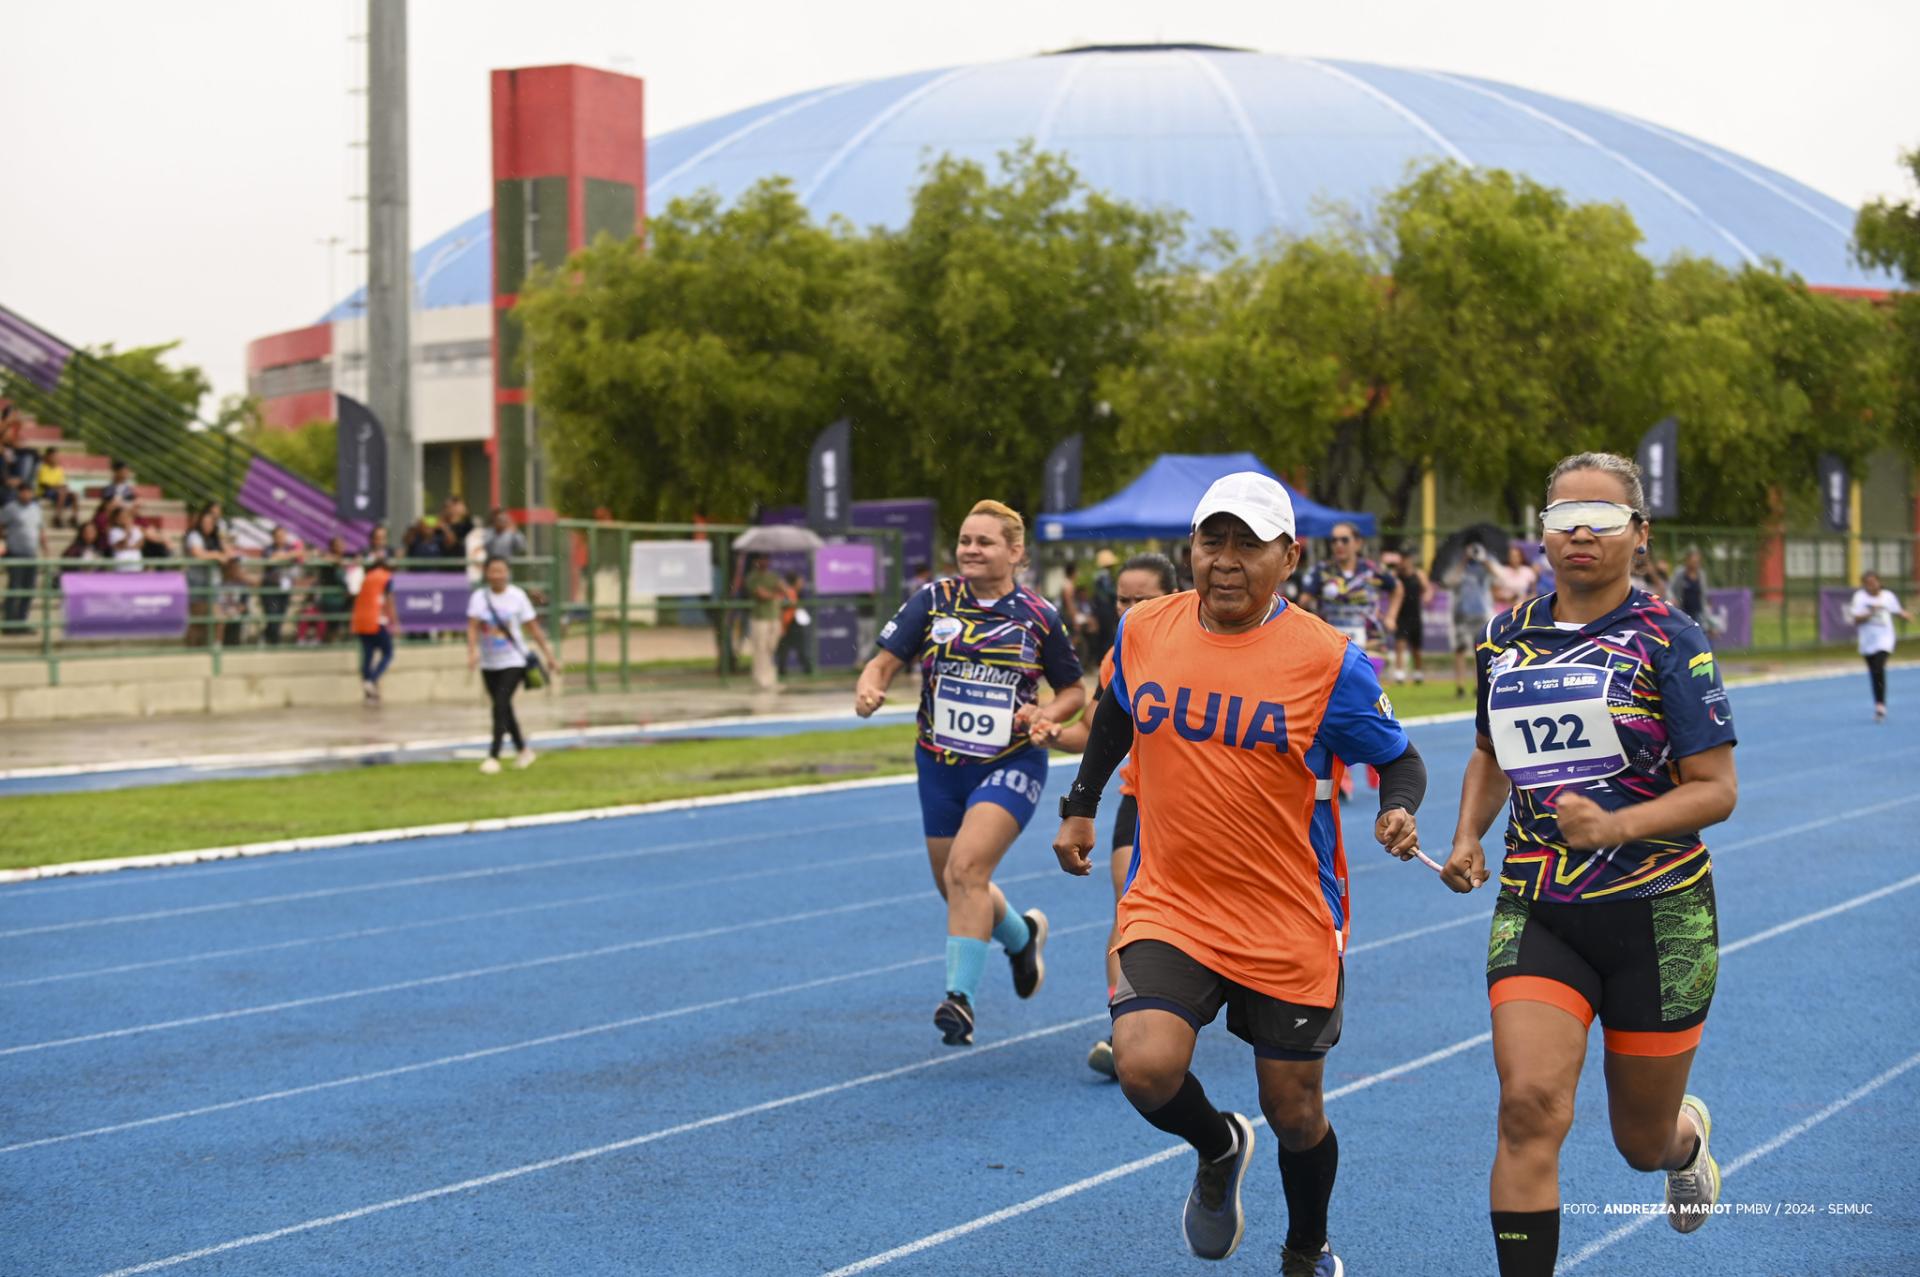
(1244, 142)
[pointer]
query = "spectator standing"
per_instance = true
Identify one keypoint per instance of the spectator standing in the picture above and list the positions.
(1106, 605)
(236, 593)
(767, 591)
(26, 537)
(126, 540)
(496, 646)
(796, 625)
(457, 519)
(1690, 588)
(207, 547)
(1409, 626)
(331, 594)
(1472, 609)
(375, 621)
(277, 572)
(1513, 581)
(505, 541)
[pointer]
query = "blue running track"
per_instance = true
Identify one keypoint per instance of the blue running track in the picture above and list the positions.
(701, 1042)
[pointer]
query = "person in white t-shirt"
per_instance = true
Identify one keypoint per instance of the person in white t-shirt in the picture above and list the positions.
(1872, 610)
(500, 619)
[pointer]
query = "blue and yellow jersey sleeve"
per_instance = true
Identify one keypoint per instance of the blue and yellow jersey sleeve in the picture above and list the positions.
(1359, 726)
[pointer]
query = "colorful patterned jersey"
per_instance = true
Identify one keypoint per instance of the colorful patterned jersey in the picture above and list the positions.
(979, 662)
(1607, 711)
(1349, 601)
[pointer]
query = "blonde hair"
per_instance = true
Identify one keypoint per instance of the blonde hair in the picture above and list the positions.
(1010, 522)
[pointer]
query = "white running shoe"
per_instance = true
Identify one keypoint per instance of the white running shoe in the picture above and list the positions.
(490, 768)
(524, 759)
(1694, 1188)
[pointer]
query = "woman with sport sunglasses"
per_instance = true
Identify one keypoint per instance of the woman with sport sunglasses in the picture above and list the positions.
(1604, 729)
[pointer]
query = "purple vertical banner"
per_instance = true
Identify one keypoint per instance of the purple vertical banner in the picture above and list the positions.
(1835, 627)
(273, 492)
(431, 600)
(853, 568)
(1729, 618)
(836, 631)
(35, 354)
(121, 605)
(914, 518)
(1436, 623)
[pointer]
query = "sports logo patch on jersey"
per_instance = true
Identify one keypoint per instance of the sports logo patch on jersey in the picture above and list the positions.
(1504, 662)
(1701, 666)
(946, 629)
(1384, 705)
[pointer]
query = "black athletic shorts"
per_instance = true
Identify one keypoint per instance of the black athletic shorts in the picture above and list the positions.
(1126, 822)
(1156, 976)
(1647, 967)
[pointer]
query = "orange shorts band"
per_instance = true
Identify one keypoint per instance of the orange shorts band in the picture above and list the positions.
(1621, 1042)
(1533, 988)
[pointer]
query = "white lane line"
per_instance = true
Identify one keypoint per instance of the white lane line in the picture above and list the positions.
(368, 933)
(1751, 1156)
(426, 880)
(1119, 1172)
(1125, 1169)
(1382, 943)
(501, 968)
(602, 1150)
(467, 1057)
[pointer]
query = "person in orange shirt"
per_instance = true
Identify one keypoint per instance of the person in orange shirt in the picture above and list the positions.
(375, 622)
(1142, 577)
(1241, 712)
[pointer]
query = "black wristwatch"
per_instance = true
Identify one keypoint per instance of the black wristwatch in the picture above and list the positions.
(1070, 807)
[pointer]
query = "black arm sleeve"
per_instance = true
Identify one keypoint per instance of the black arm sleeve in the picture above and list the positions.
(1403, 782)
(1109, 737)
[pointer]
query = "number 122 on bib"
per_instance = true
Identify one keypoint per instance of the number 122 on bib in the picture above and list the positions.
(1551, 725)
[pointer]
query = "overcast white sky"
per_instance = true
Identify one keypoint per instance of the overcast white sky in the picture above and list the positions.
(171, 168)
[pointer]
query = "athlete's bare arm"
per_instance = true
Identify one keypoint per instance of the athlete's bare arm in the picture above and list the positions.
(1484, 791)
(870, 693)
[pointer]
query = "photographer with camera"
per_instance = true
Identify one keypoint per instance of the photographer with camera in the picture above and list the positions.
(1472, 609)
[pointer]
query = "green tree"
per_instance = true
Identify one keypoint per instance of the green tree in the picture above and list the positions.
(997, 311)
(691, 377)
(1886, 233)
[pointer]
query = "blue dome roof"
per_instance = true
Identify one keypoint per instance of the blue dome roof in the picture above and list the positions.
(1243, 142)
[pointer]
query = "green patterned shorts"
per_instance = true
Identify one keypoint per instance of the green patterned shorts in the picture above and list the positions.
(1642, 966)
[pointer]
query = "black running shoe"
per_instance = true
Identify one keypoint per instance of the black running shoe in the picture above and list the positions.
(1030, 964)
(1212, 1220)
(954, 1019)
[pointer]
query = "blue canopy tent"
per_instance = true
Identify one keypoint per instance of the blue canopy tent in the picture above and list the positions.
(1160, 503)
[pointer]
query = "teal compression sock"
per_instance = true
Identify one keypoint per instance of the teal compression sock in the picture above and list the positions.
(1012, 931)
(966, 960)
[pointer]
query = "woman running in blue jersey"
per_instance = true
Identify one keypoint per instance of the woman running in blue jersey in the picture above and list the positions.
(1142, 577)
(983, 643)
(1604, 729)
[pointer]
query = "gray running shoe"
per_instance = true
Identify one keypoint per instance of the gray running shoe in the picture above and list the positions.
(1030, 964)
(1693, 1189)
(1100, 1058)
(1213, 1221)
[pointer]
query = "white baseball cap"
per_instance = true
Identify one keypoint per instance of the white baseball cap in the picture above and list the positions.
(1257, 500)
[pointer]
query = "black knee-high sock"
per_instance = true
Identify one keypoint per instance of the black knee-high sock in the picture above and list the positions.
(1307, 1177)
(1527, 1242)
(1191, 1116)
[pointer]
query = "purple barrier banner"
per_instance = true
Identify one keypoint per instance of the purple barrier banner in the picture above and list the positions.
(119, 605)
(837, 632)
(272, 492)
(1729, 618)
(845, 569)
(38, 356)
(431, 600)
(1834, 625)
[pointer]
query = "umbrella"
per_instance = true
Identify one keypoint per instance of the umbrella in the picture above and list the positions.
(777, 538)
(1453, 550)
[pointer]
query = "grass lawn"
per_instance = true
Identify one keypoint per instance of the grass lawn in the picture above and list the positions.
(53, 828)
